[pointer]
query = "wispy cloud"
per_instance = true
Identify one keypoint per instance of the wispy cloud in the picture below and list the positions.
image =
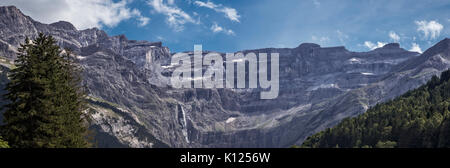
(175, 17)
(142, 20)
(159, 37)
(95, 13)
(342, 36)
(316, 3)
(217, 29)
(394, 36)
(372, 46)
(415, 48)
(320, 40)
(431, 29)
(230, 13)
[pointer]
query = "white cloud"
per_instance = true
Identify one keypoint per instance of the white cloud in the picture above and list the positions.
(372, 46)
(217, 29)
(230, 32)
(142, 20)
(320, 39)
(316, 3)
(81, 13)
(415, 48)
(207, 4)
(176, 17)
(394, 36)
(431, 29)
(230, 13)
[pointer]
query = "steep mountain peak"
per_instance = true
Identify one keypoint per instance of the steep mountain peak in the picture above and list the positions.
(63, 25)
(391, 46)
(444, 44)
(445, 41)
(10, 10)
(8, 13)
(442, 47)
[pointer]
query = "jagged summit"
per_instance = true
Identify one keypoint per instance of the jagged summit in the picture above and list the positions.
(8, 10)
(319, 86)
(10, 13)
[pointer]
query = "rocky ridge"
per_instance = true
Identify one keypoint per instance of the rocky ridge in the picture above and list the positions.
(319, 86)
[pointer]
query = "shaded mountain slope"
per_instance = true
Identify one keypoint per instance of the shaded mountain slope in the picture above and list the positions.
(418, 119)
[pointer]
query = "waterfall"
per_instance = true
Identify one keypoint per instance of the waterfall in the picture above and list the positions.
(182, 121)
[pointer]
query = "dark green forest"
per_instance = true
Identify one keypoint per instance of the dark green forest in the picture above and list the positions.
(419, 118)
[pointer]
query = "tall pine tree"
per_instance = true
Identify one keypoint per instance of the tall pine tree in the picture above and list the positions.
(46, 99)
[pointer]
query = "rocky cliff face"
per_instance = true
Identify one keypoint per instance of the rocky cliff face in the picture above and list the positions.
(134, 105)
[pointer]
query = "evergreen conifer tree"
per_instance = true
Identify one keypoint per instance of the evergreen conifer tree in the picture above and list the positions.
(45, 97)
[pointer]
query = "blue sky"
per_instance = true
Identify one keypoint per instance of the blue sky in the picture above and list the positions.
(233, 25)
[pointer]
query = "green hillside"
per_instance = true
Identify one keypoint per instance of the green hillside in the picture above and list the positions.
(419, 118)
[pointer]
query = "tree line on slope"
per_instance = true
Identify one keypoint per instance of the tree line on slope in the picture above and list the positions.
(418, 119)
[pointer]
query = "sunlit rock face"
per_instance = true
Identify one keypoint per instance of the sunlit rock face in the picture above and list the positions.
(133, 104)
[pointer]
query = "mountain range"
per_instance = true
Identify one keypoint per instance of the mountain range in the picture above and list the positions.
(132, 104)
